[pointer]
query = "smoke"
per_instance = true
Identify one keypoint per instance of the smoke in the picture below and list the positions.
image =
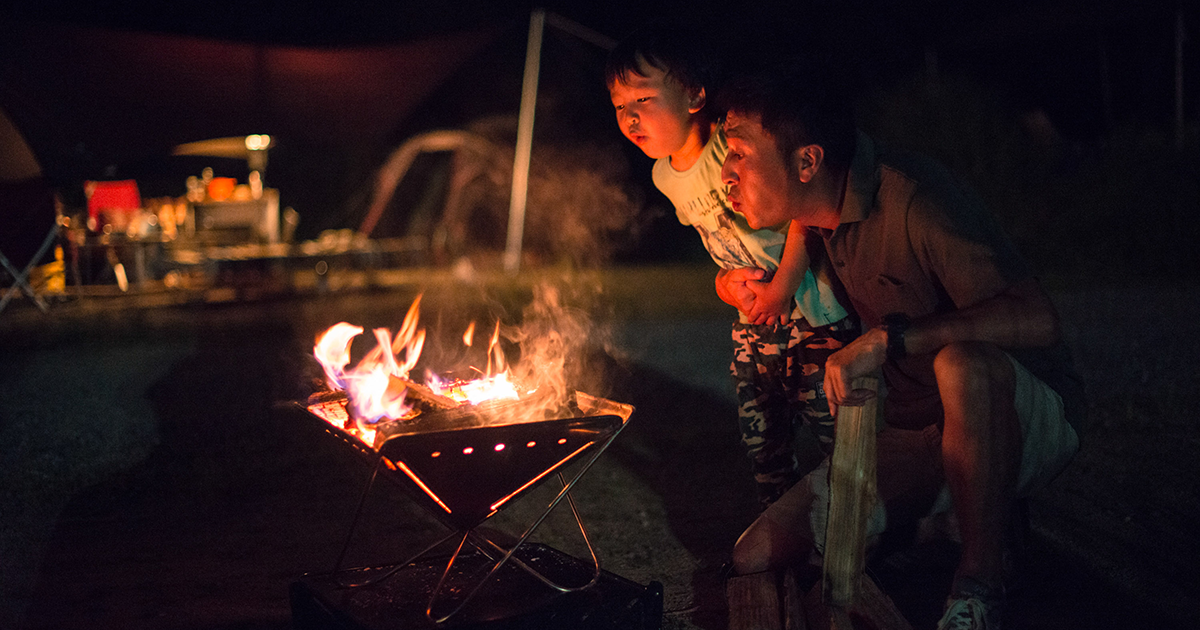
(582, 206)
(557, 341)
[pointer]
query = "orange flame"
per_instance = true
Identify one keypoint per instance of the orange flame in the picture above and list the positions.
(376, 389)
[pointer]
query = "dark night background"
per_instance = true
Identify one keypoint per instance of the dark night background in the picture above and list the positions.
(1060, 106)
(147, 479)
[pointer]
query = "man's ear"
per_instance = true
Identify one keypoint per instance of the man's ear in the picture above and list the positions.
(696, 101)
(809, 159)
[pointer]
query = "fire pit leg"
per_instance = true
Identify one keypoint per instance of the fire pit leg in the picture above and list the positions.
(362, 500)
(470, 534)
(533, 572)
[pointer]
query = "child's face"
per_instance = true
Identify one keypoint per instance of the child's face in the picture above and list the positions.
(654, 111)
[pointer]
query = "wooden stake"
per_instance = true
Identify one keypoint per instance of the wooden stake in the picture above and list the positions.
(851, 497)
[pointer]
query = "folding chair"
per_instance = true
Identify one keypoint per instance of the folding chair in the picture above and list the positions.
(21, 278)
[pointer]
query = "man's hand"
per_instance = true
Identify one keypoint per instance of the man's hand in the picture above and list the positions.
(772, 303)
(860, 357)
(733, 290)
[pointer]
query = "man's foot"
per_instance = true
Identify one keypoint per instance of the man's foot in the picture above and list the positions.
(972, 605)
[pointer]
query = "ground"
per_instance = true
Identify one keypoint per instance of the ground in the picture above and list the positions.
(155, 476)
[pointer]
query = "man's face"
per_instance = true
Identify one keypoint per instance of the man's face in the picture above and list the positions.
(760, 182)
(653, 111)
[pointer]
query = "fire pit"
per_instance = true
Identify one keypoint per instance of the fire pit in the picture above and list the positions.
(463, 460)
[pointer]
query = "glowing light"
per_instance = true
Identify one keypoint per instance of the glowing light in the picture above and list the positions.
(496, 506)
(468, 450)
(562, 440)
(531, 444)
(421, 484)
(258, 142)
(436, 454)
(499, 447)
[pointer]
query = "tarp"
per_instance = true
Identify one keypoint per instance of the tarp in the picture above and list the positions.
(17, 162)
(83, 95)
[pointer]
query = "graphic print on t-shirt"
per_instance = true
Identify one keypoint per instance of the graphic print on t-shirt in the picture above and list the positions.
(715, 225)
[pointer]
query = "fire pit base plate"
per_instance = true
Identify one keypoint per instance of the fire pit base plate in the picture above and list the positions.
(511, 600)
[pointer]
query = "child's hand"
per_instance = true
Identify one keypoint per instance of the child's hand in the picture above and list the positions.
(772, 303)
(733, 287)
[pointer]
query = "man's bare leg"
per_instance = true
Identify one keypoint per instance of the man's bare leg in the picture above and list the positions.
(766, 545)
(981, 450)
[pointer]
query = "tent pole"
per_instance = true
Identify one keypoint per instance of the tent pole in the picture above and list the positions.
(520, 179)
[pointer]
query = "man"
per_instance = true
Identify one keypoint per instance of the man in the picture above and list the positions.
(980, 389)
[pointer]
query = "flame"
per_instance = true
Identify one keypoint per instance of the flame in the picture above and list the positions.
(482, 389)
(369, 386)
(377, 386)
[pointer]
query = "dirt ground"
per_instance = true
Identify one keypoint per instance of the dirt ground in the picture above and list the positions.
(154, 476)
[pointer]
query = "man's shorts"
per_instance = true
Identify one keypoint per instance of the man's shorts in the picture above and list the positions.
(909, 474)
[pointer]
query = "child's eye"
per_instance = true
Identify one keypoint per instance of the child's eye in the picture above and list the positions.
(643, 99)
(618, 107)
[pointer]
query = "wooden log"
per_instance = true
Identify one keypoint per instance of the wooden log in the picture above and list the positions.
(872, 603)
(851, 497)
(873, 609)
(420, 393)
(770, 600)
(754, 602)
(794, 617)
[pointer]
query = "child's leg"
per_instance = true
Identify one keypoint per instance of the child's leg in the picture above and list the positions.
(807, 350)
(765, 413)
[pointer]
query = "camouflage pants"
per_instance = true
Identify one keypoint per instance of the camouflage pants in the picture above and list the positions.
(778, 371)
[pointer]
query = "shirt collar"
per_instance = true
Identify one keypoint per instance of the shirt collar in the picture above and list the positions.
(863, 182)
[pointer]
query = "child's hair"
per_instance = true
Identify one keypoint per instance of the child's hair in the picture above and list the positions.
(667, 47)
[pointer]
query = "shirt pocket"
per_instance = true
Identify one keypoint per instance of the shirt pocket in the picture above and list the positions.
(892, 295)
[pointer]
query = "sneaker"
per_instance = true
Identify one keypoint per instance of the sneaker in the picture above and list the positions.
(972, 605)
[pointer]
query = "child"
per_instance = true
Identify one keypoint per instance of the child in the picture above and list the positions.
(789, 319)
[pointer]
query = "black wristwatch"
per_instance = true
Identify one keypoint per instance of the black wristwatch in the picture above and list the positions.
(895, 324)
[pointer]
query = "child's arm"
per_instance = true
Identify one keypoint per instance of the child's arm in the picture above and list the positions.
(773, 300)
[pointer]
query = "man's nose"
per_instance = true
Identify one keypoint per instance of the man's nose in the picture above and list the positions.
(728, 177)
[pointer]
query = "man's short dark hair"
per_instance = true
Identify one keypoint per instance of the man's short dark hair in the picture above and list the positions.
(799, 103)
(675, 49)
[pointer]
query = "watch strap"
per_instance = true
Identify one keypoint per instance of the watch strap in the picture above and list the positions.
(896, 324)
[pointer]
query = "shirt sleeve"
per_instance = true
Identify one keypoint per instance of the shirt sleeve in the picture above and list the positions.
(961, 245)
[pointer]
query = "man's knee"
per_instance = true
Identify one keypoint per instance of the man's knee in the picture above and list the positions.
(973, 366)
(766, 545)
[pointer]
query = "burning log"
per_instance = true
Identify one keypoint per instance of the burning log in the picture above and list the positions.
(420, 393)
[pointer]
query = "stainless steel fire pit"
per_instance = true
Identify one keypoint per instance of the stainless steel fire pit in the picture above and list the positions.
(463, 465)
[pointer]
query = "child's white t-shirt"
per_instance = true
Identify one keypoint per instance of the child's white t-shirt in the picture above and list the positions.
(700, 201)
